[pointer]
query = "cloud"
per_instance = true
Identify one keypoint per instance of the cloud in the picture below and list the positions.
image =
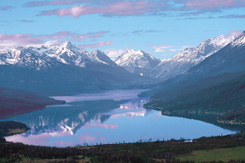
(27, 21)
(114, 53)
(210, 4)
(235, 33)
(10, 41)
(14, 40)
(89, 35)
(114, 8)
(53, 2)
(4, 8)
(79, 8)
(96, 45)
(173, 50)
(145, 31)
(160, 48)
(233, 16)
(197, 7)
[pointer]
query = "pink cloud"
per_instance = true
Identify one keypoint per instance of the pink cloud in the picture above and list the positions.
(96, 45)
(53, 2)
(120, 8)
(18, 40)
(210, 4)
(88, 35)
(198, 7)
(134, 7)
(14, 40)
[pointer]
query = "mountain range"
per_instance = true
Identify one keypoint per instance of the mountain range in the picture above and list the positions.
(214, 86)
(225, 64)
(67, 62)
(63, 69)
(191, 56)
(142, 63)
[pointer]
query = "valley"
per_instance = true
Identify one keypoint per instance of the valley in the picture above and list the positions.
(119, 81)
(68, 96)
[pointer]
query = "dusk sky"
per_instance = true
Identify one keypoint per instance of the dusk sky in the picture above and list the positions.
(160, 27)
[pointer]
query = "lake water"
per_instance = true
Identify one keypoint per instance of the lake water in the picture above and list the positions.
(110, 117)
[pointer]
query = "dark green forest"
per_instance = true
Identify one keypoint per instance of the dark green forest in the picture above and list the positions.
(226, 100)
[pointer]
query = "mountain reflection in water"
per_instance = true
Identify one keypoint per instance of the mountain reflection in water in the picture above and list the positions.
(106, 118)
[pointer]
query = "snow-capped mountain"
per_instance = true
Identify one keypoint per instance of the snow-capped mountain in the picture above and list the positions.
(229, 59)
(189, 57)
(226, 64)
(46, 56)
(55, 69)
(137, 62)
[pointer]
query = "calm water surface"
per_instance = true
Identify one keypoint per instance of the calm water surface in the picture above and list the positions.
(110, 117)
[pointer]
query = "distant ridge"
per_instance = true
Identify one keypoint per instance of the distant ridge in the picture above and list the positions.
(191, 56)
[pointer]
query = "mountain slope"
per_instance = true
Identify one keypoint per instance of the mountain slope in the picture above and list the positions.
(189, 57)
(15, 102)
(226, 100)
(231, 58)
(224, 65)
(137, 62)
(62, 69)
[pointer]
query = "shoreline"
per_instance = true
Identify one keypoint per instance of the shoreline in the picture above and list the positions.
(158, 151)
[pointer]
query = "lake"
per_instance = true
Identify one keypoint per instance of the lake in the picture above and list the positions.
(109, 117)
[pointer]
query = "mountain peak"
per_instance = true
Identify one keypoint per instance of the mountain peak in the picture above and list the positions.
(98, 51)
(239, 41)
(21, 48)
(191, 56)
(69, 45)
(137, 61)
(135, 52)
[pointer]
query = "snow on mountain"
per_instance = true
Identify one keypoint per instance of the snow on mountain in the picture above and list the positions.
(137, 62)
(63, 69)
(239, 41)
(226, 64)
(102, 57)
(189, 57)
(45, 56)
(229, 59)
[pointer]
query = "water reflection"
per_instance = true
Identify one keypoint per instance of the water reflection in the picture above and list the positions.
(112, 119)
(116, 95)
(66, 118)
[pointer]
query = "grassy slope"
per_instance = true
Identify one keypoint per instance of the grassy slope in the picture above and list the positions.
(227, 100)
(221, 154)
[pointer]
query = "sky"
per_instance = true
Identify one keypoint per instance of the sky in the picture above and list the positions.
(160, 27)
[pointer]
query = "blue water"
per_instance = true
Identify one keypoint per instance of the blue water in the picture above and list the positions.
(110, 117)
